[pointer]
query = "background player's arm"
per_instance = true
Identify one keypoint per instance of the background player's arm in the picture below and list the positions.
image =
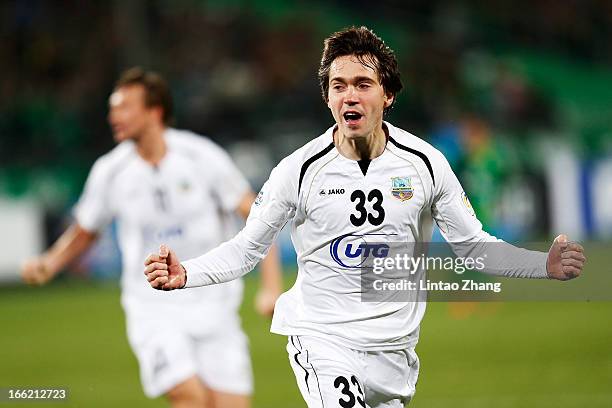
(69, 246)
(92, 213)
(270, 267)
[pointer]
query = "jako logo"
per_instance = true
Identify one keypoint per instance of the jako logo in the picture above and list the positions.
(351, 251)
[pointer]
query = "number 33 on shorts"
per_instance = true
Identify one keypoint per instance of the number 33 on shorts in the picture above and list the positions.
(330, 375)
(345, 388)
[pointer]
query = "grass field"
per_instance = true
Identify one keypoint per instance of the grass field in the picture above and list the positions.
(536, 354)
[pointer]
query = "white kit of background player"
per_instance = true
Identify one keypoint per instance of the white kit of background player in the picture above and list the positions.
(345, 352)
(161, 183)
(181, 201)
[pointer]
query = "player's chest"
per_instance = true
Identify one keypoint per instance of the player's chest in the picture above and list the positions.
(341, 197)
(145, 193)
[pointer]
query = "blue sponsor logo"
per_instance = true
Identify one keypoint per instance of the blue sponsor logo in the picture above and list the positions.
(153, 234)
(351, 250)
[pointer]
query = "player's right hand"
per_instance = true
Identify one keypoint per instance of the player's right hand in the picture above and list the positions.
(34, 271)
(164, 271)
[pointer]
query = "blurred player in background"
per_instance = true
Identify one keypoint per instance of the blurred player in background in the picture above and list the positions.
(362, 179)
(164, 184)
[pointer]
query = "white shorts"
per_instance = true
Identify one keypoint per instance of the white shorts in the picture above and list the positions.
(170, 352)
(330, 375)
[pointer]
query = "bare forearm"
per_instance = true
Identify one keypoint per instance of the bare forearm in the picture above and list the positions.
(270, 269)
(70, 245)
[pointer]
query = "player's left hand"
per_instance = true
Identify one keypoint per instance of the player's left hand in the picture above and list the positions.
(265, 301)
(565, 259)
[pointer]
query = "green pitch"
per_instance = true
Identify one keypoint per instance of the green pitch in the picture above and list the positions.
(538, 354)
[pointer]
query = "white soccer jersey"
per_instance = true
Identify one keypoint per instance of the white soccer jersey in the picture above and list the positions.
(330, 197)
(182, 202)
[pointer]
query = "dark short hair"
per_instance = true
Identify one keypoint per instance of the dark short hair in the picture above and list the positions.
(157, 92)
(369, 49)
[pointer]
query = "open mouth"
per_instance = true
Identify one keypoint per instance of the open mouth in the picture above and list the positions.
(352, 117)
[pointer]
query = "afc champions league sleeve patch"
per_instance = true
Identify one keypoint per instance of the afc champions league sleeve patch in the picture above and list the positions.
(401, 188)
(259, 198)
(467, 204)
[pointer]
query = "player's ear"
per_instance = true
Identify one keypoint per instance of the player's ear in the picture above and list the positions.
(389, 98)
(158, 112)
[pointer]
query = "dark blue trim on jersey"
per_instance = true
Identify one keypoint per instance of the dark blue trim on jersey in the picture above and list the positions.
(312, 160)
(421, 155)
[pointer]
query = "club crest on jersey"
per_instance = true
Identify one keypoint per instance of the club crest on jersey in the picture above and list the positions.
(401, 188)
(184, 186)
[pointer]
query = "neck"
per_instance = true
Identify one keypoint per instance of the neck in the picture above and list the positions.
(151, 145)
(363, 148)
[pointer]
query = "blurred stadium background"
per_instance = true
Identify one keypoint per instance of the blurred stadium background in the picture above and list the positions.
(517, 94)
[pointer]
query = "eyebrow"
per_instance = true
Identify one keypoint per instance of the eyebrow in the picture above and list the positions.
(353, 79)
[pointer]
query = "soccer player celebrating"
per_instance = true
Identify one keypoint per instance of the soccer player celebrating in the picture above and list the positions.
(166, 184)
(362, 177)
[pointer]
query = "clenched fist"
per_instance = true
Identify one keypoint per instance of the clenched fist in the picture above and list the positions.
(565, 259)
(164, 271)
(35, 271)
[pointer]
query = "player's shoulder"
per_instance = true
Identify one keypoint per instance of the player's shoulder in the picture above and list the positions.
(312, 151)
(405, 143)
(190, 143)
(116, 159)
(292, 168)
(409, 142)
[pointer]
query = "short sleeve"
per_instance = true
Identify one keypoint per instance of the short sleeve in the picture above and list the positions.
(227, 182)
(93, 211)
